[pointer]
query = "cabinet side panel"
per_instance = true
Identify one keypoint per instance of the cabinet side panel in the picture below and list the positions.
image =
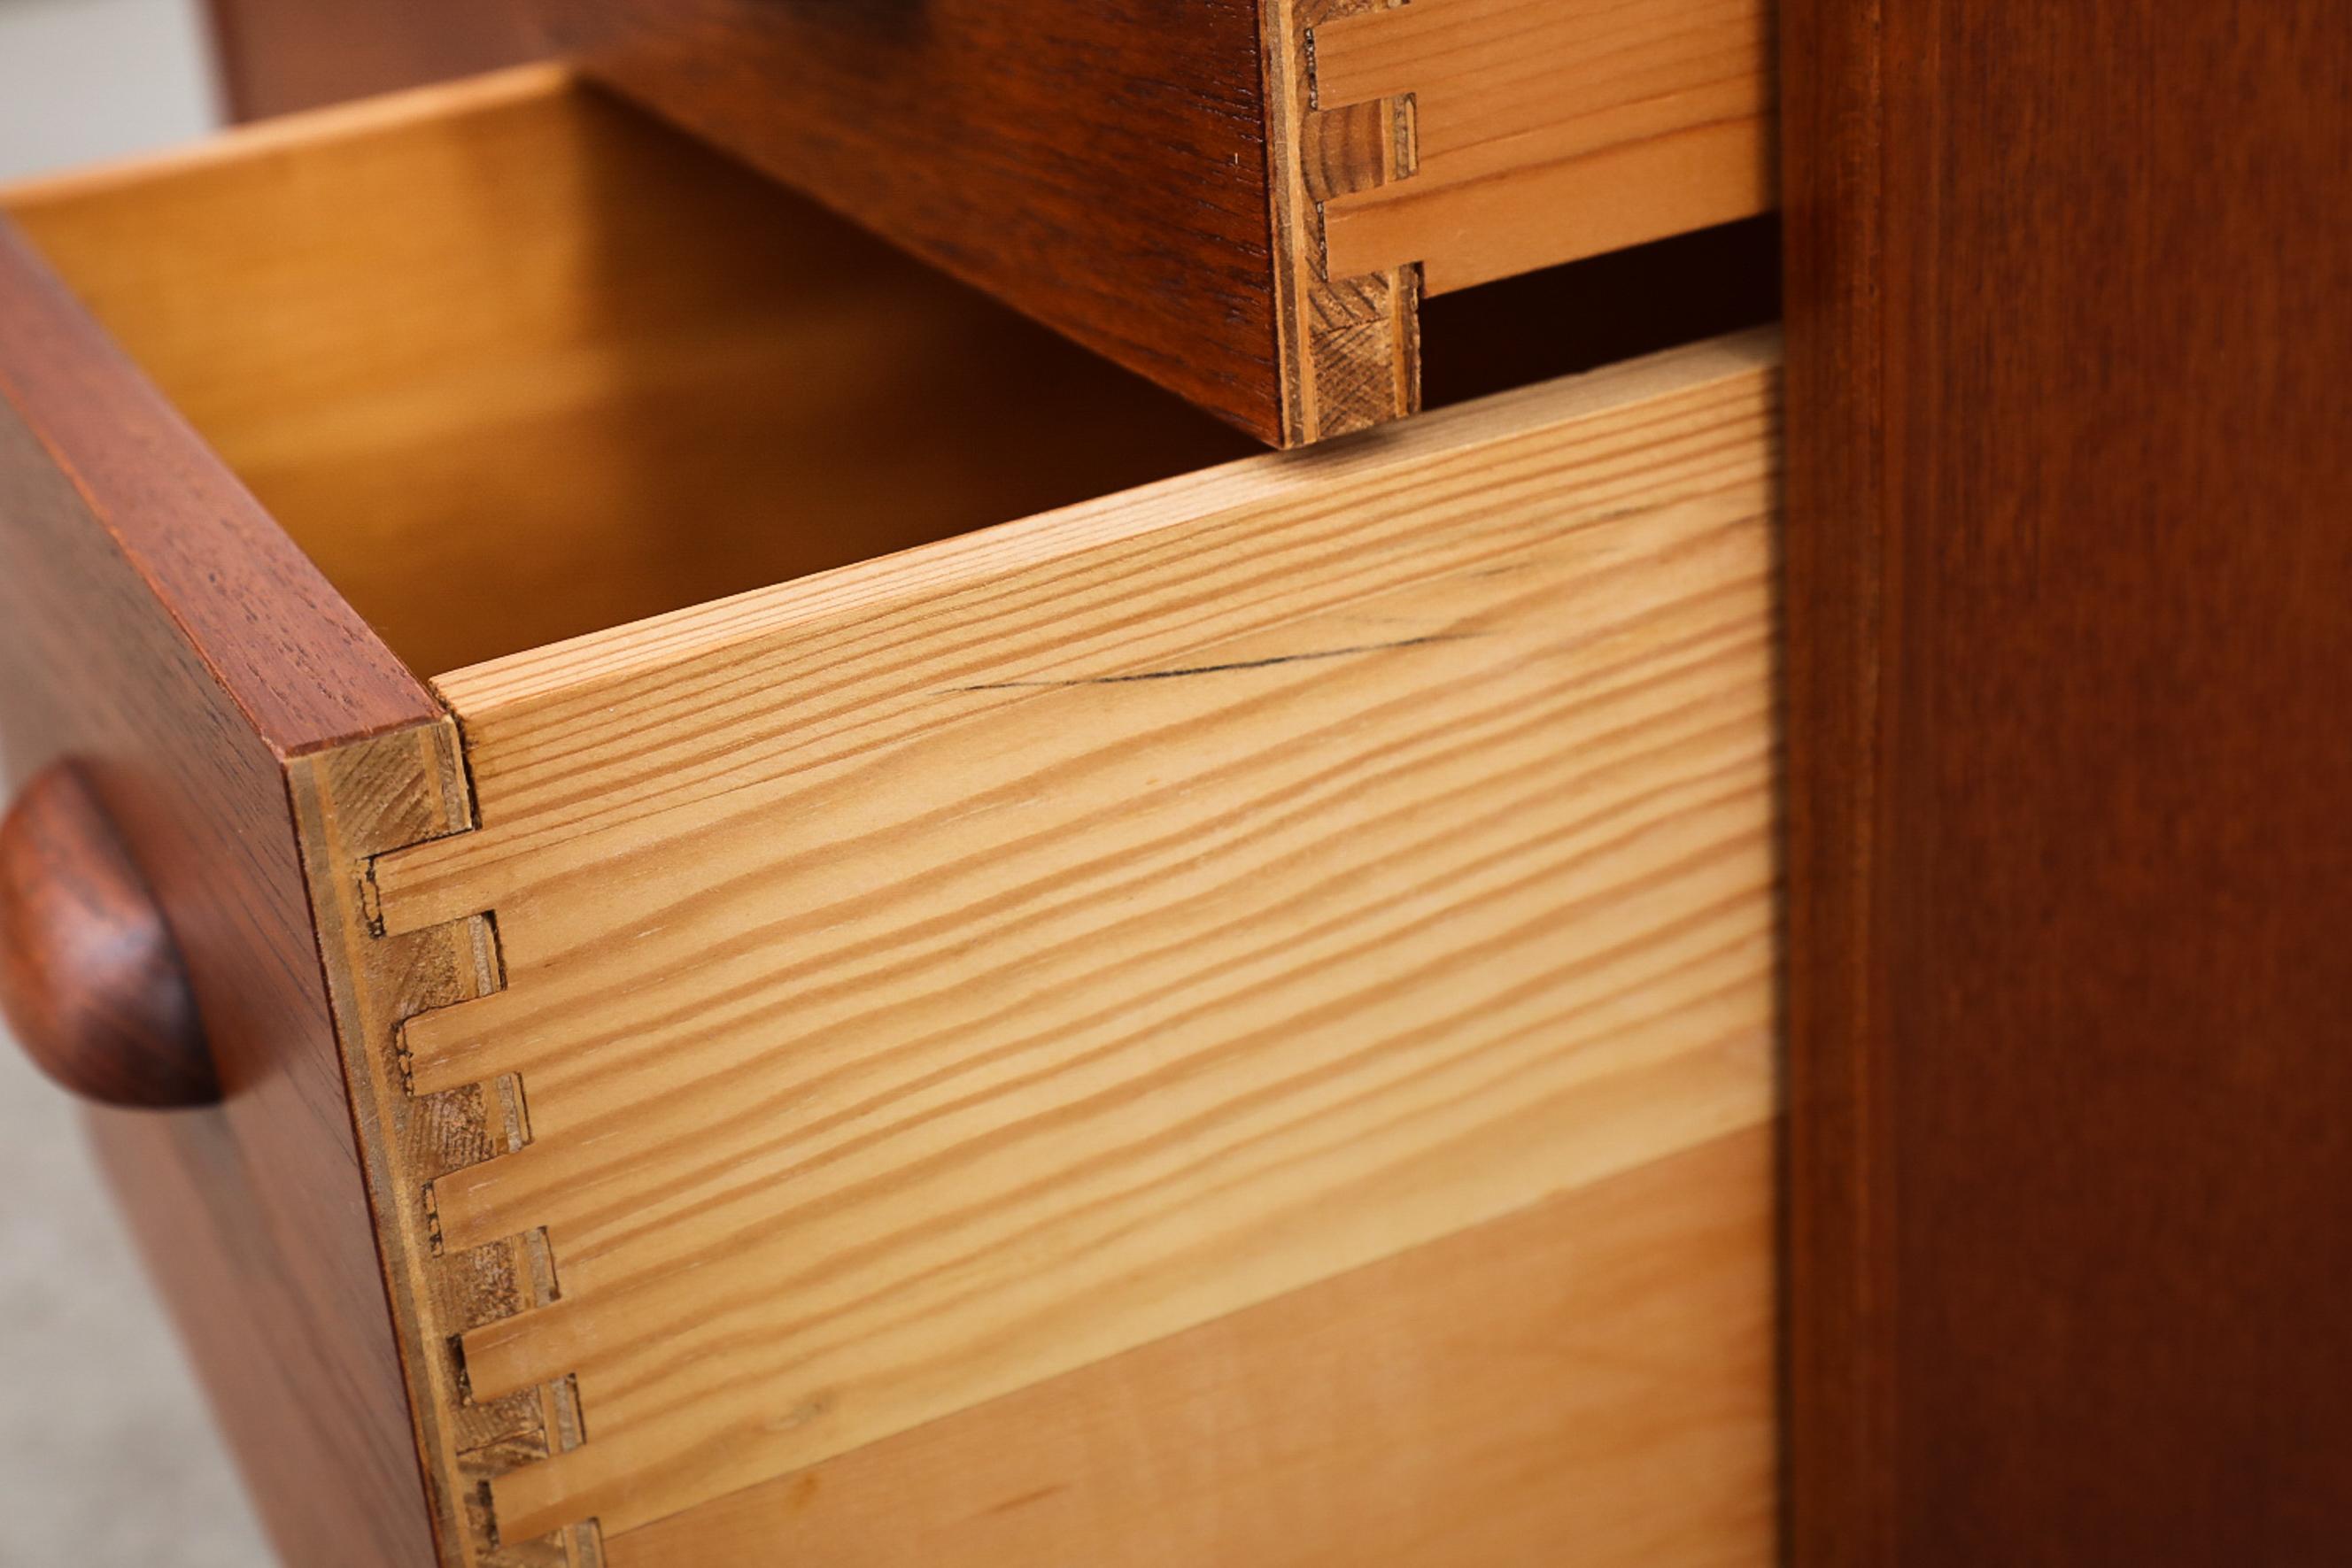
(2070, 313)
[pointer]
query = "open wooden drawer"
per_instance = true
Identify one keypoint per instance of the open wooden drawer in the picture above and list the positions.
(1245, 200)
(1228, 1021)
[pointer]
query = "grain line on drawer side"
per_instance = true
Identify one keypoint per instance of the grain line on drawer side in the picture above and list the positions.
(352, 802)
(939, 975)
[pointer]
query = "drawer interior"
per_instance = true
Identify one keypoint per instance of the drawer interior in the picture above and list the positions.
(512, 362)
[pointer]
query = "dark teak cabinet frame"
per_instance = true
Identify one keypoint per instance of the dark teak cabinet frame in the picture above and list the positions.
(2069, 592)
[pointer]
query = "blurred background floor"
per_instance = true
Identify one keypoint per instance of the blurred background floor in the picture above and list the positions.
(107, 1457)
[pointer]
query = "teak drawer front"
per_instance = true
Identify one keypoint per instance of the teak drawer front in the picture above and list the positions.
(1244, 200)
(159, 635)
(1226, 1022)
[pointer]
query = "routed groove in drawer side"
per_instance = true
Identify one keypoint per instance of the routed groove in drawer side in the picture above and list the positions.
(1101, 164)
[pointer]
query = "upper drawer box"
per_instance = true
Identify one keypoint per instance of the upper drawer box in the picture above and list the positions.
(1243, 199)
(869, 1035)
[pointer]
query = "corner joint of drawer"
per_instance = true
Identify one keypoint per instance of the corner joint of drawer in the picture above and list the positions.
(418, 984)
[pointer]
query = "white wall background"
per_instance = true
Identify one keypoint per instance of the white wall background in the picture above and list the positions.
(108, 1459)
(86, 79)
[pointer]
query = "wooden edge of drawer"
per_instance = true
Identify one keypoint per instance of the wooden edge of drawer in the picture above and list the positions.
(351, 803)
(1348, 337)
(688, 824)
(302, 669)
(160, 630)
(159, 635)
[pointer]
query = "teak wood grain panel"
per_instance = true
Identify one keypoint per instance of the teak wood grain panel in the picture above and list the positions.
(2071, 870)
(279, 56)
(157, 630)
(1099, 163)
(939, 976)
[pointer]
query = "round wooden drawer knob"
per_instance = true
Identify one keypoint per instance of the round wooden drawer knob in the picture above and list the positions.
(90, 983)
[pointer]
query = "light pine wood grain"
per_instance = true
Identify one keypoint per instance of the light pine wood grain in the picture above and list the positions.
(1547, 130)
(938, 975)
(1588, 1381)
